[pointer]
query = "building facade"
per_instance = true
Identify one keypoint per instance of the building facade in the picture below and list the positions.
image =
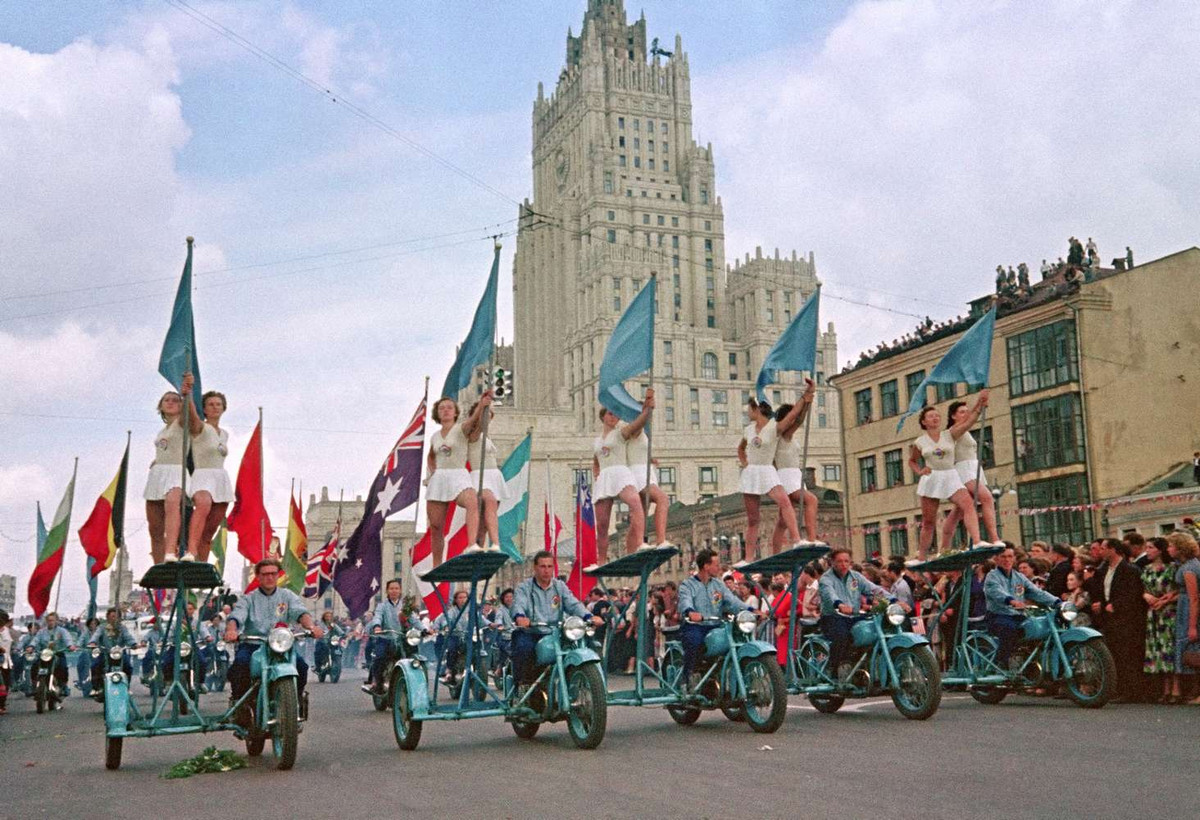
(1093, 396)
(623, 195)
(8, 593)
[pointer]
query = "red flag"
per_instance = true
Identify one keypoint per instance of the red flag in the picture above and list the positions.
(552, 532)
(249, 518)
(422, 558)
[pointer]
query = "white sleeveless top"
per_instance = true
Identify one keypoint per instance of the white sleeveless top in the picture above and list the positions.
(965, 449)
(168, 445)
(610, 449)
(210, 448)
(787, 454)
(761, 444)
(938, 455)
(474, 457)
(450, 451)
(637, 450)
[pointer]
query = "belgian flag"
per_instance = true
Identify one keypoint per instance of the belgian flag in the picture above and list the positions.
(104, 531)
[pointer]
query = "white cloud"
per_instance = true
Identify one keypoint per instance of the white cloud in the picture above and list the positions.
(926, 142)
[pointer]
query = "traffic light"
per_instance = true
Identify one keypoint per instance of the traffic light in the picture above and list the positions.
(501, 384)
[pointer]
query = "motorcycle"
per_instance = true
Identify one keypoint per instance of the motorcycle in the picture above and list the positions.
(735, 673)
(116, 659)
(220, 667)
(24, 678)
(47, 691)
(275, 706)
(398, 647)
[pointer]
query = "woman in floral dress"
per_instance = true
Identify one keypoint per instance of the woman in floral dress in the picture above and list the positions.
(1161, 594)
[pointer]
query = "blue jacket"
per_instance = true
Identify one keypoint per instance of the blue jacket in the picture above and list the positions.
(387, 616)
(711, 599)
(850, 590)
(546, 605)
(1001, 589)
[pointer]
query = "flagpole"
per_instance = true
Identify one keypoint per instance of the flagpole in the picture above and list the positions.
(812, 536)
(646, 426)
(481, 531)
(287, 538)
(525, 524)
(406, 563)
(62, 566)
(979, 461)
(265, 550)
(186, 423)
(550, 516)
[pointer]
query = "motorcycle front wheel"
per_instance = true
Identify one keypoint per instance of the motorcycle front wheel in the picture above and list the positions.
(41, 696)
(918, 690)
(766, 694)
(285, 733)
(1093, 673)
(112, 752)
(588, 715)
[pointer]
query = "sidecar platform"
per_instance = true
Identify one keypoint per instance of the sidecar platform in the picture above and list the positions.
(636, 563)
(473, 566)
(786, 561)
(958, 561)
(187, 574)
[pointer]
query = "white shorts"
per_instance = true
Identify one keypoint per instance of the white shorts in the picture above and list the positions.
(758, 479)
(792, 479)
(966, 471)
(446, 484)
(611, 481)
(162, 479)
(492, 480)
(940, 484)
(214, 481)
(639, 476)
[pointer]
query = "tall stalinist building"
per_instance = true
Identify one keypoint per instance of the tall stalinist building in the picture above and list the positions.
(622, 192)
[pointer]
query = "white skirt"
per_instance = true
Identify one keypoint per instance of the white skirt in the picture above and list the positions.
(162, 479)
(492, 480)
(214, 481)
(445, 484)
(792, 479)
(611, 481)
(759, 479)
(966, 471)
(940, 484)
(639, 476)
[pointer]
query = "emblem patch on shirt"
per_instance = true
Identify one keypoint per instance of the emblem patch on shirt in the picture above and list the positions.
(223, 450)
(161, 444)
(444, 449)
(556, 600)
(717, 597)
(1020, 591)
(756, 441)
(939, 452)
(281, 608)
(605, 451)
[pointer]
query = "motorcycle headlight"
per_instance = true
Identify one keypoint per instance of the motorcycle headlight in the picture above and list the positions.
(1068, 612)
(574, 628)
(333, 642)
(115, 653)
(47, 655)
(413, 637)
(590, 631)
(280, 640)
(185, 650)
(220, 646)
(746, 622)
(116, 677)
(96, 652)
(896, 614)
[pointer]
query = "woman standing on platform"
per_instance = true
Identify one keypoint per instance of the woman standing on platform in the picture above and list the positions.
(788, 456)
(939, 479)
(210, 488)
(756, 455)
(637, 456)
(966, 462)
(614, 479)
(164, 493)
(449, 480)
(493, 481)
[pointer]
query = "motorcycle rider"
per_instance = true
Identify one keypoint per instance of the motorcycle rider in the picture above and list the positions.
(152, 640)
(1008, 592)
(541, 599)
(58, 639)
(256, 614)
(196, 633)
(842, 592)
(455, 621)
(703, 595)
(388, 615)
(18, 658)
(322, 652)
(109, 634)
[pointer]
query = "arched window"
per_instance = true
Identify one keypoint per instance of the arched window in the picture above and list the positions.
(708, 366)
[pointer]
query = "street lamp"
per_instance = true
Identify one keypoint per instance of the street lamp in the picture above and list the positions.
(997, 492)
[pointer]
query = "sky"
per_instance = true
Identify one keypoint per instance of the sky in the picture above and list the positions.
(911, 146)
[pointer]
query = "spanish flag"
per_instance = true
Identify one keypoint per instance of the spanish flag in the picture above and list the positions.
(101, 535)
(295, 554)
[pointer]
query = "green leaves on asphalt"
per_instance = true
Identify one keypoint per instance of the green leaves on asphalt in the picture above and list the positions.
(210, 761)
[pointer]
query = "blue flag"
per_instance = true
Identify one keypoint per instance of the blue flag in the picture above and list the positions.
(796, 349)
(970, 361)
(630, 352)
(477, 347)
(179, 348)
(92, 580)
(511, 514)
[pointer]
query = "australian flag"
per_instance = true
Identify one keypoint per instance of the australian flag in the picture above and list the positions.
(358, 572)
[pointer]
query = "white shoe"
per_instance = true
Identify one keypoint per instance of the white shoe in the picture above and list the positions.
(590, 568)
(187, 556)
(803, 543)
(740, 564)
(912, 562)
(645, 546)
(665, 545)
(171, 558)
(471, 550)
(492, 548)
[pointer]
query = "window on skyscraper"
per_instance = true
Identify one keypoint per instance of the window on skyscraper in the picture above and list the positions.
(708, 366)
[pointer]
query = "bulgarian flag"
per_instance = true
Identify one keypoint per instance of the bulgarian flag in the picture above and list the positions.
(295, 554)
(50, 556)
(101, 535)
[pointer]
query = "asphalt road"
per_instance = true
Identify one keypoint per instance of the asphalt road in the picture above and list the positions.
(1025, 757)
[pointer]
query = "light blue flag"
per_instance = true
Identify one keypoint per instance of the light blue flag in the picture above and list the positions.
(796, 349)
(179, 348)
(630, 352)
(477, 347)
(42, 532)
(970, 361)
(511, 514)
(91, 579)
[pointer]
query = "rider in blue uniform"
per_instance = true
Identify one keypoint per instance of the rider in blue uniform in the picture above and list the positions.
(322, 651)
(152, 640)
(59, 639)
(542, 599)
(197, 633)
(456, 620)
(389, 614)
(18, 657)
(703, 596)
(1008, 592)
(842, 591)
(256, 614)
(109, 634)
